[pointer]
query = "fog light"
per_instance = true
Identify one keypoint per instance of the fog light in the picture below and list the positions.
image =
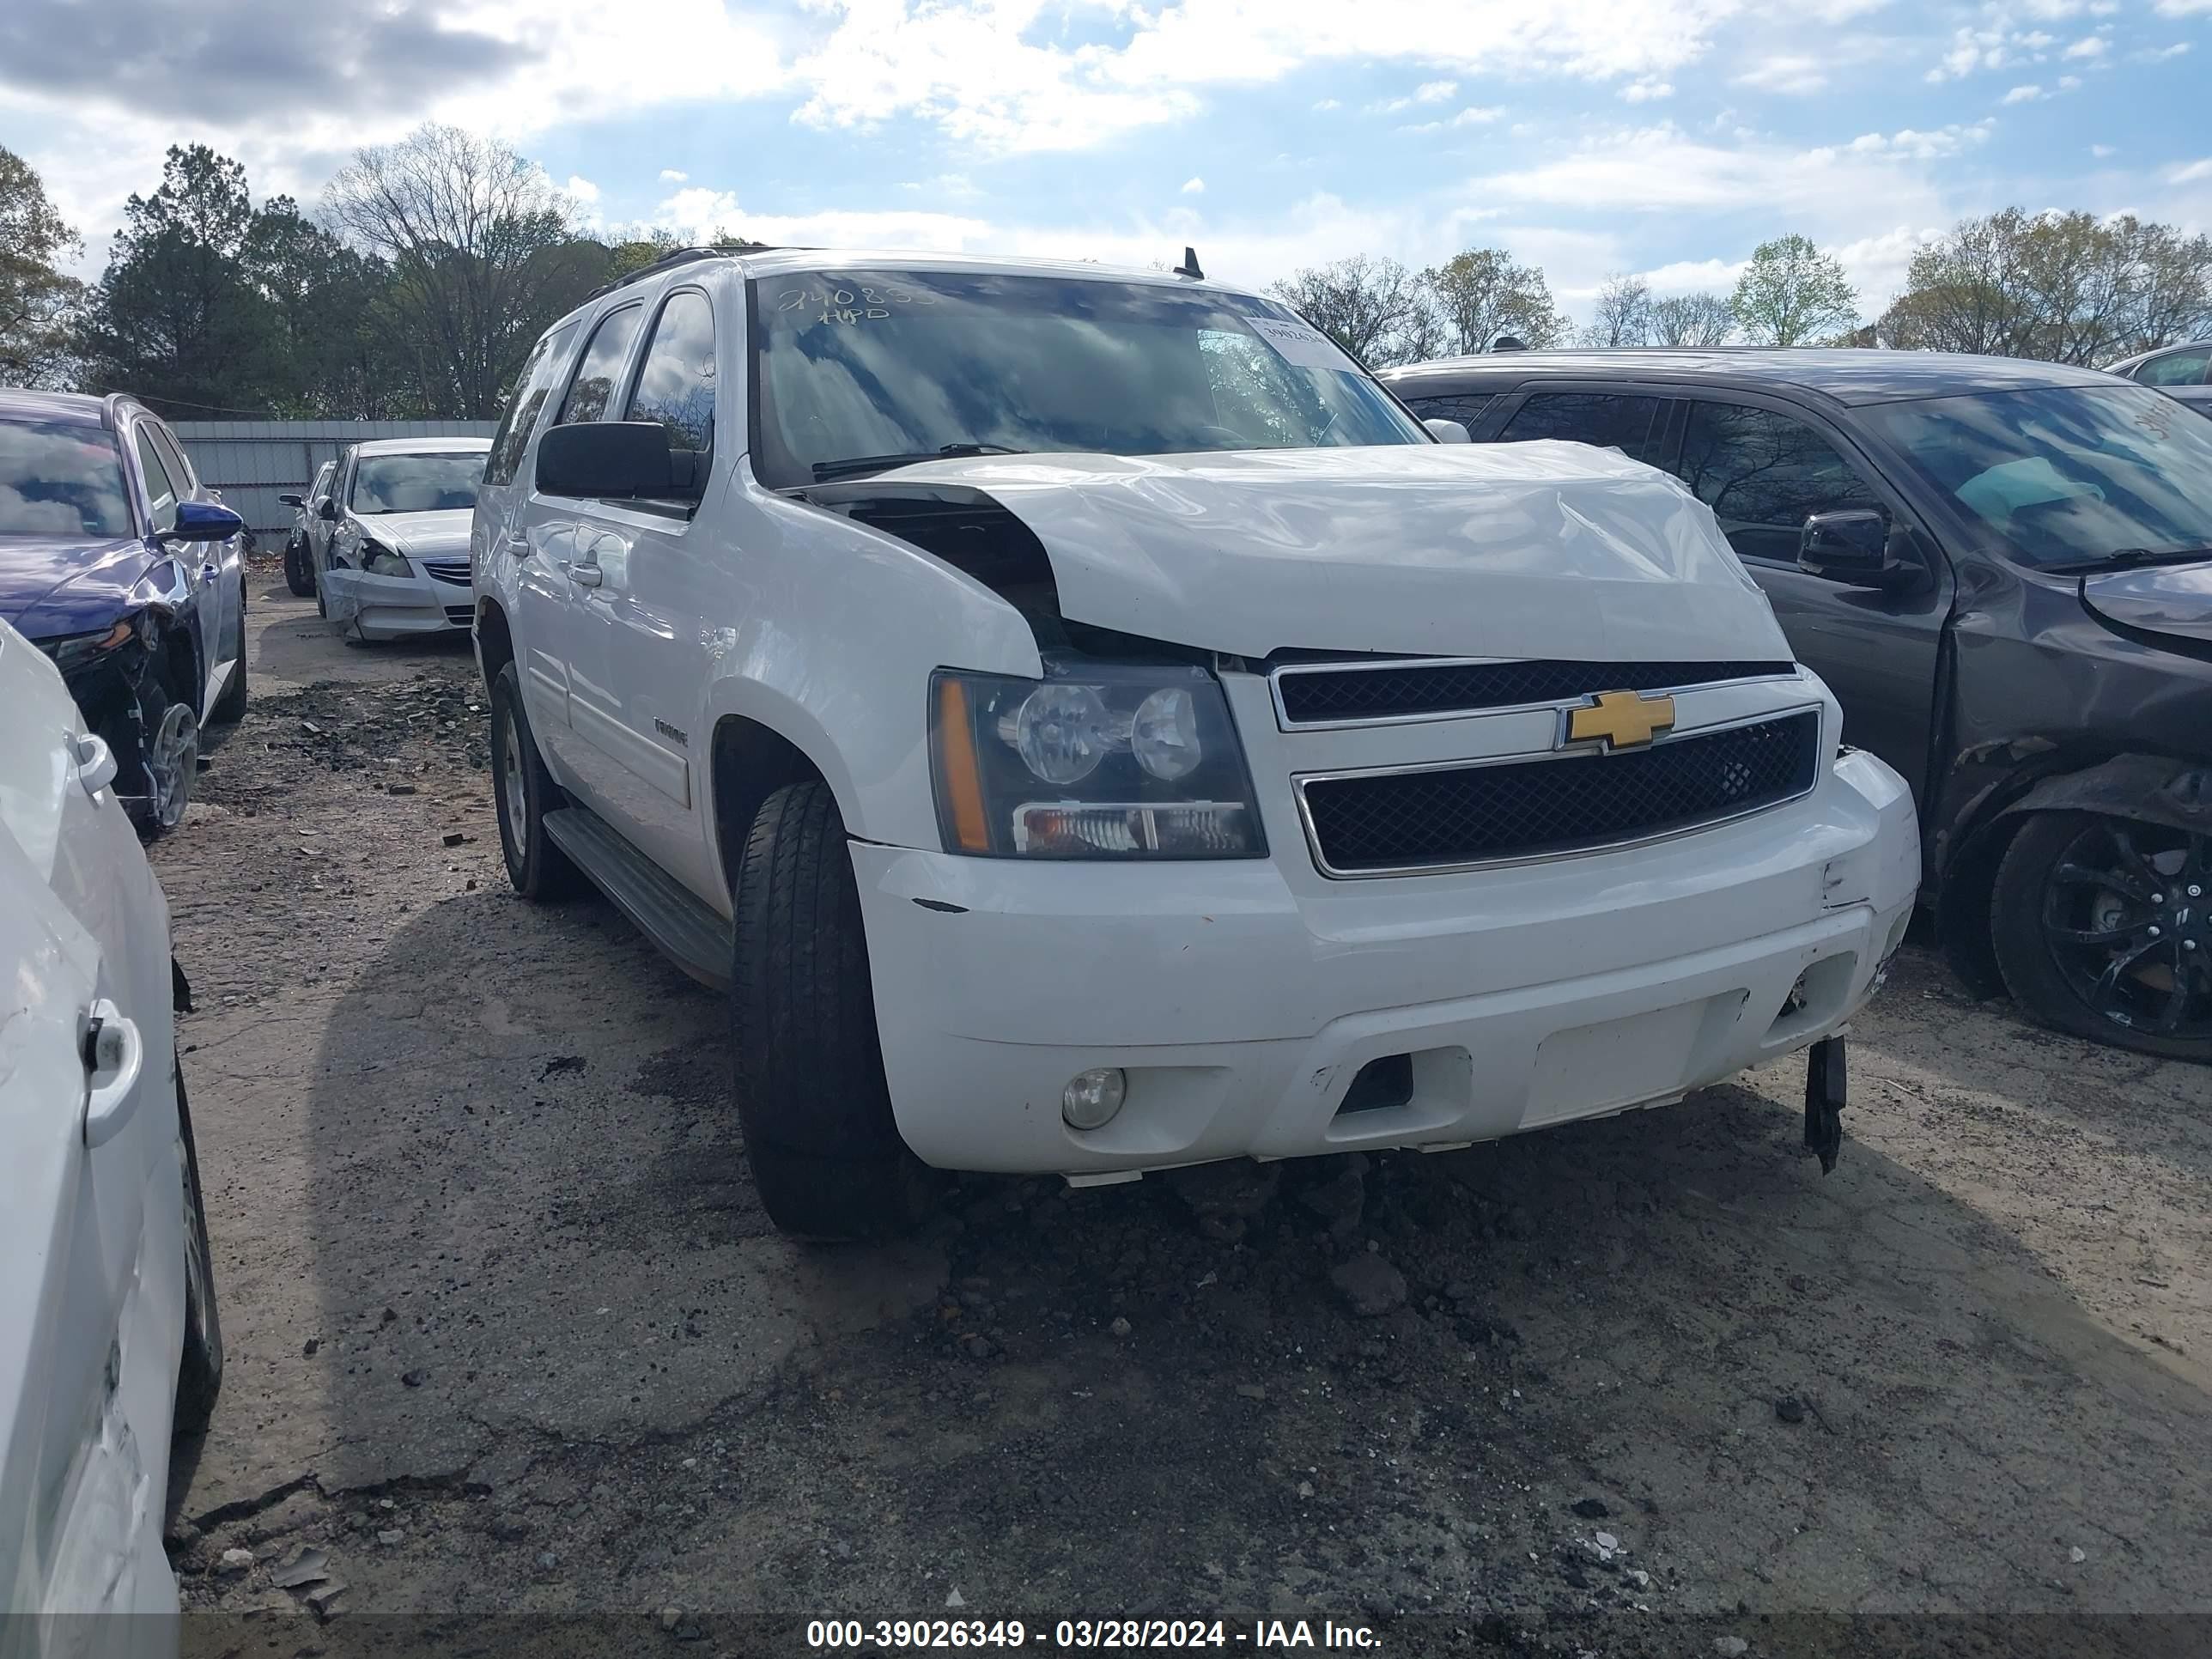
(1091, 1098)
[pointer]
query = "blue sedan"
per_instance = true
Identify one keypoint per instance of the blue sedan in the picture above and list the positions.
(122, 567)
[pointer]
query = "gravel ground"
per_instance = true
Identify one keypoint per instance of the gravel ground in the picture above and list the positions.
(511, 1349)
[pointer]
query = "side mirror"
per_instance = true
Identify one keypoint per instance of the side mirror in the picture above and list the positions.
(293, 501)
(615, 461)
(1448, 431)
(327, 509)
(203, 521)
(1859, 547)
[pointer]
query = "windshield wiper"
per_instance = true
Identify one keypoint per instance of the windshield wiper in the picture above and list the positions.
(2126, 558)
(852, 464)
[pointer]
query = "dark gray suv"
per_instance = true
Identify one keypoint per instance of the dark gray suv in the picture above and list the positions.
(2004, 571)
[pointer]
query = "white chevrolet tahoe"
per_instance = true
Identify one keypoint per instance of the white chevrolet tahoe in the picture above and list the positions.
(1087, 726)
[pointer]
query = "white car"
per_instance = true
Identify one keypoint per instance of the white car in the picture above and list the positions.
(108, 1332)
(396, 560)
(1090, 727)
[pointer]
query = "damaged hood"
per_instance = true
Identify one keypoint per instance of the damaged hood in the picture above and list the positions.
(2173, 600)
(66, 584)
(429, 534)
(1537, 550)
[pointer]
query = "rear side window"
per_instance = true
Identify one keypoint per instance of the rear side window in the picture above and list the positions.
(1466, 408)
(2176, 368)
(161, 488)
(675, 384)
(531, 387)
(592, 391)
(1631, 425)
(1764, 473)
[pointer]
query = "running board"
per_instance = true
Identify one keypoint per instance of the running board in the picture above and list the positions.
(687, 932)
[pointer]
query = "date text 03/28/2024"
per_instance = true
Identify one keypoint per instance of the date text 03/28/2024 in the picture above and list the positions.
(1263, 1636)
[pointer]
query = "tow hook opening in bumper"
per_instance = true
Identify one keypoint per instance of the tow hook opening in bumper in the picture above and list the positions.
(1826, 1086)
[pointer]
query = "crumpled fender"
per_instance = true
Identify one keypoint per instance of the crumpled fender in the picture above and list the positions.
(2155, 790)
(341, 594)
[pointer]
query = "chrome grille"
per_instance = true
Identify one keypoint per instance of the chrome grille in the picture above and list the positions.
(1428, 818)
(455, 571)
(1349, 694)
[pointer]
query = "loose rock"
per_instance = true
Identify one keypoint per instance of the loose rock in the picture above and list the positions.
(1790, 1408)
(233, 1562)
(1370, 1286)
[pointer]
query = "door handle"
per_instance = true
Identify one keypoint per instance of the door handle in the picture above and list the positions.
(115, 1055)
(585, 575)
(95, 763)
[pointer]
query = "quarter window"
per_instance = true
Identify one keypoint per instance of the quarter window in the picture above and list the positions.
(1466, 409)
(2176, 368)
(592, 393)
(1631, 425)
(1763, 474)
(675, 385)
(161, 490)
(531, 387)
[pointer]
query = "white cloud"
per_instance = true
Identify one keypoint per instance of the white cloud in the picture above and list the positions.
(1784, 72)
(1328, 104)
(1473, 116)
(2183, 7)
(697, 212)
(1434, 91)
(2023, 95)
(2069, 83)
(1193, 187)
(2190, 172)
(1650, 89)
(2159, 54)
(1917, 146)
(2100, 151)
(582, 188)
(2089, 46)
(673, 176)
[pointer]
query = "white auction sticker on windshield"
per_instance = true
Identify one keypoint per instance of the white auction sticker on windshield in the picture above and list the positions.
(1306, 347)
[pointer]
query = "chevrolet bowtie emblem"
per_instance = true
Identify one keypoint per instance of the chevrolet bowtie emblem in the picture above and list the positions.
(1620, 720)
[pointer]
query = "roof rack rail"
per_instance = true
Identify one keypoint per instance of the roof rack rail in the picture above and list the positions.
(682, 256)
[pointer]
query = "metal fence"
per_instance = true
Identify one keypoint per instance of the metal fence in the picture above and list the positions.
(252, 462)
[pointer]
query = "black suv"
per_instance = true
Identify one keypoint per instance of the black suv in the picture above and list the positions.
(2004, 571)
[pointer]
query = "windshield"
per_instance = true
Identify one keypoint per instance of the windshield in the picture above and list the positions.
(902, 365)
(2066, 473)
(61, 478)
(417, 484)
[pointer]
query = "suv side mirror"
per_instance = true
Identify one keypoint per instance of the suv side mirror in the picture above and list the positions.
(327, 509)
(615, 461)
(203, 521)
(1860, 547)
(293, 501)
(1448, 431)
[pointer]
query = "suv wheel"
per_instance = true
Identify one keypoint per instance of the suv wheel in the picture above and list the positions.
(299, 568)
(524, 791)
(2103, 927)
(816, 1113)
(199, 1372)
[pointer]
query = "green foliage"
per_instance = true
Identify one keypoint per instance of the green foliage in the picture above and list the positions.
(1792, 294)
(36, 298)
(1481, 293)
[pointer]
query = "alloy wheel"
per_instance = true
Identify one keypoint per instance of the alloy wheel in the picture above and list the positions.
(2127, 916)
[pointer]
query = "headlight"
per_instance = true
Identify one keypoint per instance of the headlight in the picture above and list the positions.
(78, 649)
(380, 561)
(1092, 762)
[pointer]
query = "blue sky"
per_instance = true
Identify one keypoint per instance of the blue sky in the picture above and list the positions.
(1587, 137)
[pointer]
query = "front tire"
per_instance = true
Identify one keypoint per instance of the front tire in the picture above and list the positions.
(524, 791)
(812, 1097)
(299, 568)
(2103, 929)
(199, 1371)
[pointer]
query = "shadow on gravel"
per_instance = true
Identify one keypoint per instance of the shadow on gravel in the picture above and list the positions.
(1656, 1361)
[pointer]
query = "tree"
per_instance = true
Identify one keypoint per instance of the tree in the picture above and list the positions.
(1375, 309)
(1482, 293)
(2067, 287)
(178, 319)
(1623, 315)
(1792, 293)
(1692, 320)
(36, 299)
(482, 254)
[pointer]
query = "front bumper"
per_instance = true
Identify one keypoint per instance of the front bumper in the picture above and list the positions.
(374, 607)
(1241, 1000)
